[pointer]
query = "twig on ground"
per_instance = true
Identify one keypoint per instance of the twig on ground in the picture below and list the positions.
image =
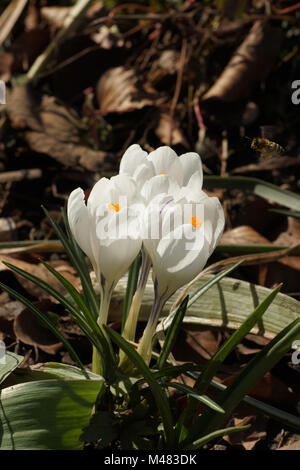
(177, 87)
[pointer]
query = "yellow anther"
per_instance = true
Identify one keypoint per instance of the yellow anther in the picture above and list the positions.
(196, 222)
(114, 207)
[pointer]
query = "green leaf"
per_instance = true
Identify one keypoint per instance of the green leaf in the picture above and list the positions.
(86, 322)
(81, 266)
(131, 287)
(279, 415)
(203, 382)
(228, 303)
(98, 338)
(77, 259)
(175, 371)
(172, 333)
(249, 377)
(56, 370)
(287, 213)
(194, 394)
(46, 415)
(201, 291)
(8, 363)
(46, 322)
(276, 413)
(248, 248)
(158, 393)
(259, 187)
(213, 435)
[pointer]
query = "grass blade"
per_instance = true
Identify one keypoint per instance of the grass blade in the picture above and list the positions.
(203, 382)
(197, 396)
(259, 187)
(175, 371)
(276, 413)
(86, 322)
(248, 248)
(45, 321)
(132, 281)
(158, 393)
(213, 435)
(233, 341)
(172, 333)
(249, 377)
(280, 415)
(206, 286)
(77, 259)
(287, 213)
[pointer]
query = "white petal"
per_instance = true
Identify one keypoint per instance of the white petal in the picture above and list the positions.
(193, 191)
(78, 217)
(132, 158)
(174, 264)
(157, 185)
(143, 173)
(115, 258)
(191, 163)
(218, 222)
(102, 192)
(126, 187)
(165, 160)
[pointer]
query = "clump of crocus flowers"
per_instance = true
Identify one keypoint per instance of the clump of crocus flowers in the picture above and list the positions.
(155, 205)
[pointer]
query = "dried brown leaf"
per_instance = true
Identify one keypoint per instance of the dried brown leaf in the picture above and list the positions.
(119, 90)
(31, 332)
(250, 64)
(249, 438)
(38, 270)
(52, 129)
(242, 235)
(290, 237)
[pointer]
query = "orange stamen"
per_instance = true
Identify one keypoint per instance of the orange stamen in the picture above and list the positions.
(196, 222)
(114, 207)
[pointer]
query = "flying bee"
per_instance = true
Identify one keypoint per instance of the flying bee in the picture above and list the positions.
(265, 147)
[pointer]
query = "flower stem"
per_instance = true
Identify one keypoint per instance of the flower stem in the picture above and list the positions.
(106, 294)
(145, 345)
(133, 315)
(131, 321)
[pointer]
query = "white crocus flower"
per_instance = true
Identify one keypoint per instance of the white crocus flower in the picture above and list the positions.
(107, 230)
(187, 232)
(158, 173)
(143, 167)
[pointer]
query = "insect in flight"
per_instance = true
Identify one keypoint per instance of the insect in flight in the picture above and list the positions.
(265, 147)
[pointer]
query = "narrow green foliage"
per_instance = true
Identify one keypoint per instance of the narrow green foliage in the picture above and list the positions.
(296, 215)
(203, 382)
(172, 333)
(248, 378)
(77, 259)
(132, 281)
(47, 323)
(214, 435)
(259, 187)
(194, 394)
(206, 286)
(157, 391)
